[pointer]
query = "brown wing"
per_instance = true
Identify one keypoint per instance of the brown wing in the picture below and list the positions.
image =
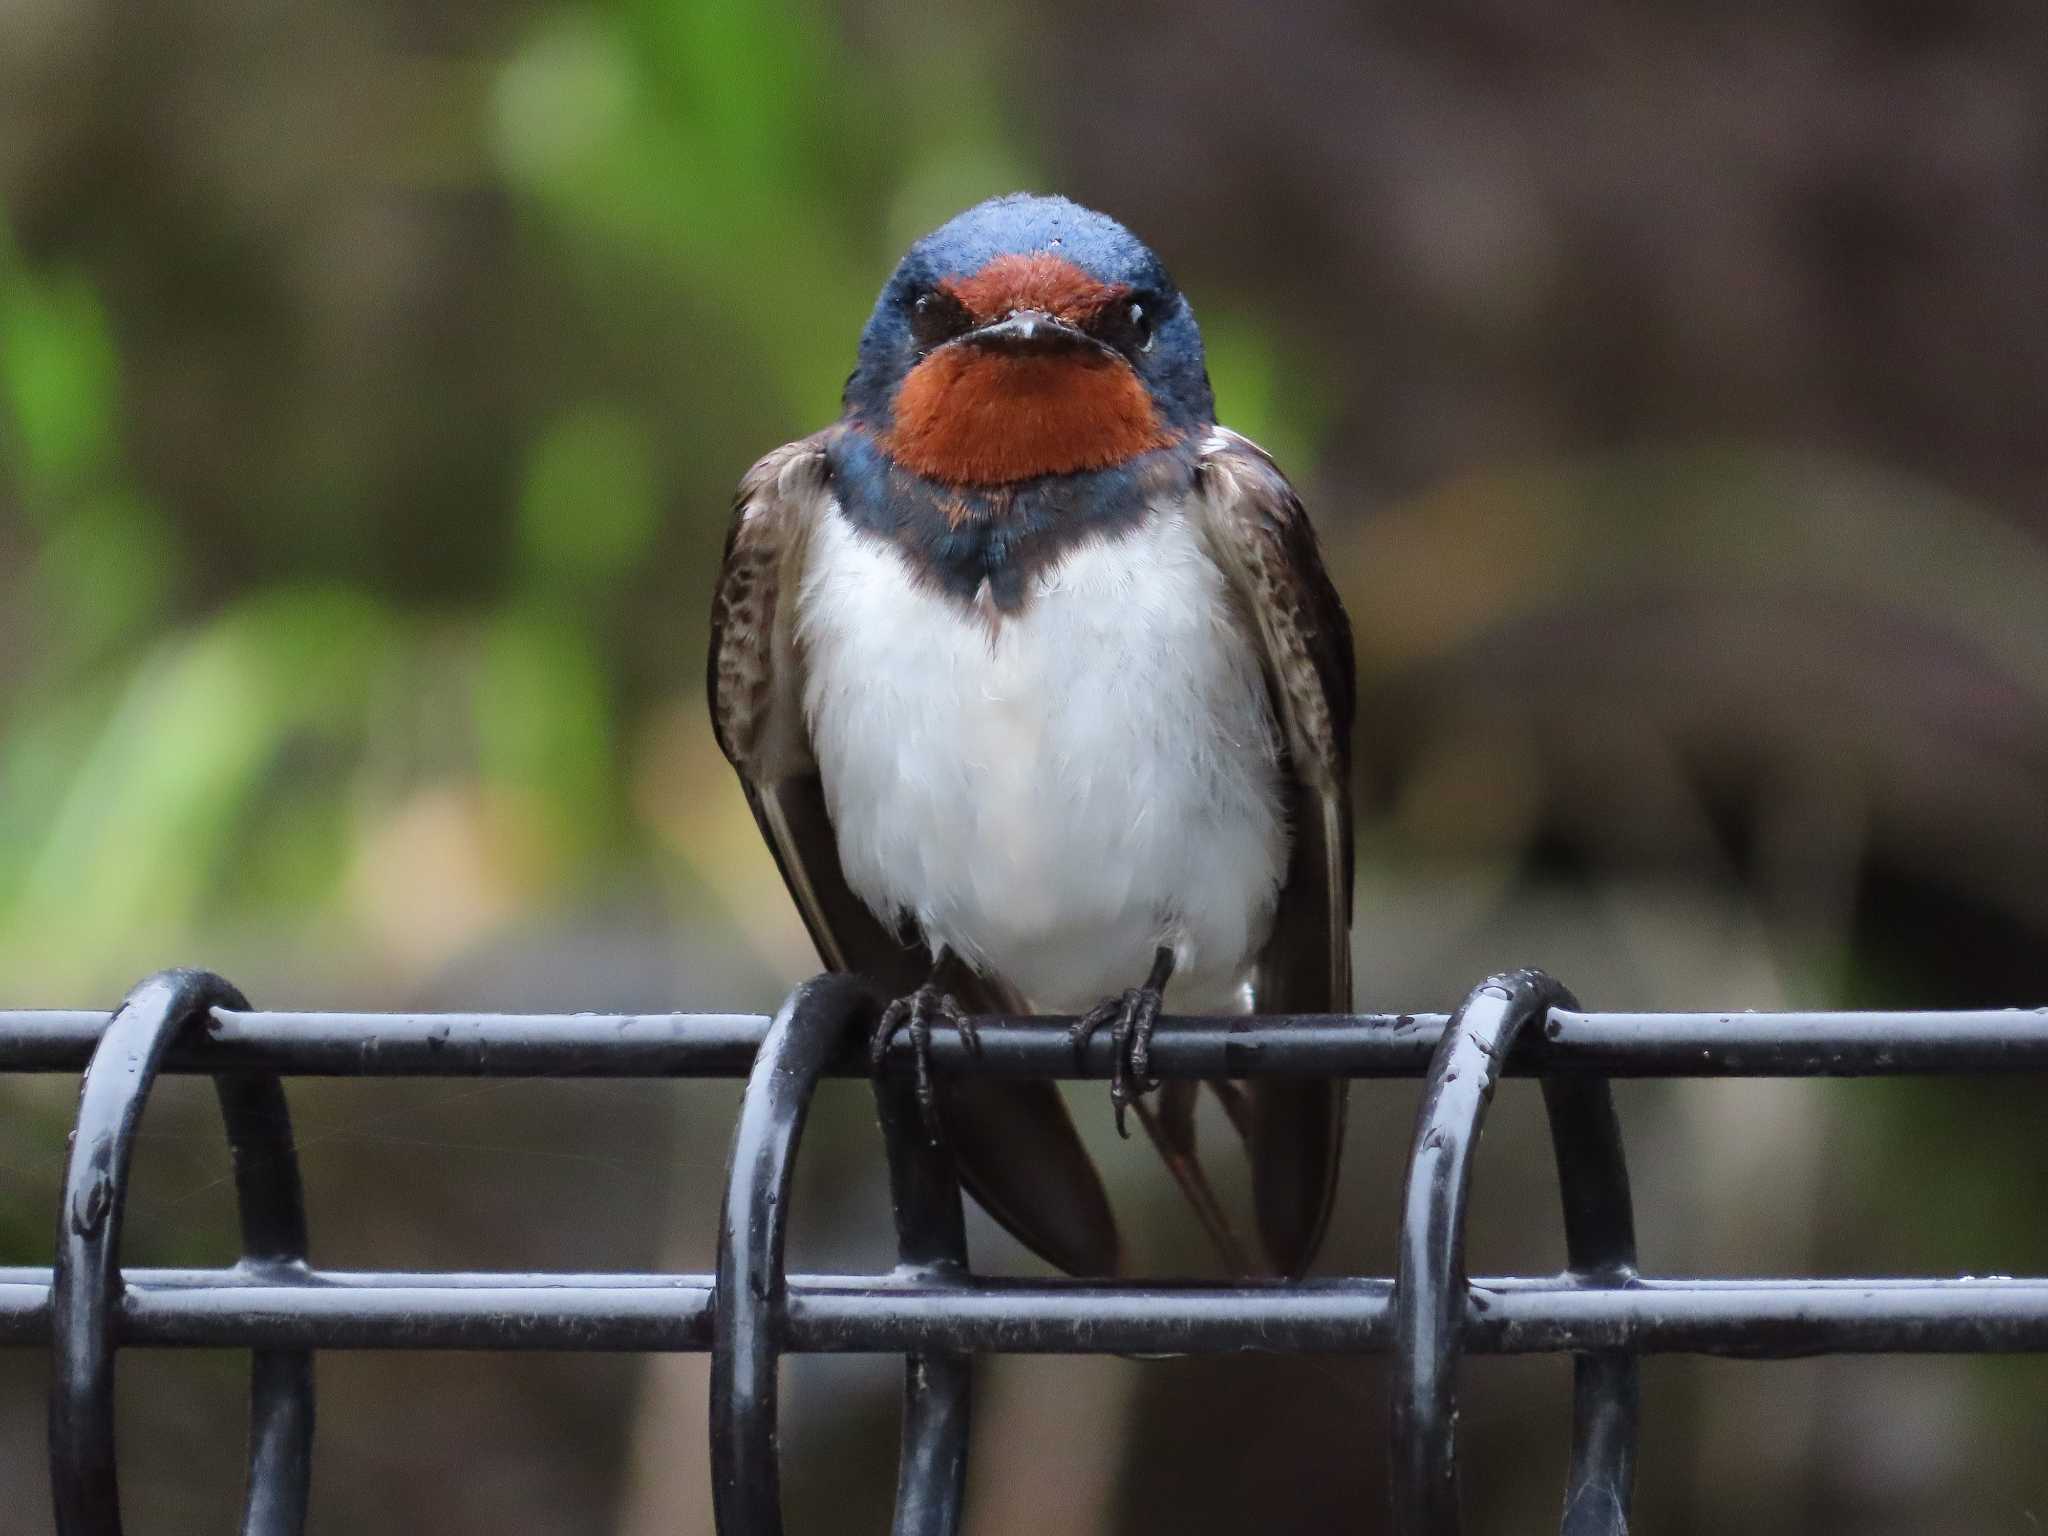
(1018, 1152)
(1262, 538)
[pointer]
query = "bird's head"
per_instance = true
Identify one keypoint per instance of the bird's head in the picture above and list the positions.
(1028, 336)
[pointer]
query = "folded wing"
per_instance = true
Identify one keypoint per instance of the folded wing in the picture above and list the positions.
(1018, 1152)
(1261, 537)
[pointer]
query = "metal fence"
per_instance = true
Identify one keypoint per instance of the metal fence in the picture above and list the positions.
(932, 1309)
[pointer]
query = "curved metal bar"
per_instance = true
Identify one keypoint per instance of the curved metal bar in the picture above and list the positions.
(813, 1029)
(85, 1283)
(1429, 1275)
(272, 1207)
(1600, 1244)
(1430, 1290)
(931, 1247)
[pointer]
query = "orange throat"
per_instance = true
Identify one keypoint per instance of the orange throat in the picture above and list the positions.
(968, 416)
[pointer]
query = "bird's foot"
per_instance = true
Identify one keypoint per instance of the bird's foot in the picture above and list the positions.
(914, 1016)
(1130, 1020)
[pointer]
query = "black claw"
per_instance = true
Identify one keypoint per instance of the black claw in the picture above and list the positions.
(1146, 1003)
(892, 1020)
(1130, 1020)
(913, 1015)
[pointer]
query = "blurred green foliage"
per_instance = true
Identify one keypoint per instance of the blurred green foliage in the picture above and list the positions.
(186, 756)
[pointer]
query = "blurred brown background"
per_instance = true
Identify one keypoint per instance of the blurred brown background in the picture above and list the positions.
(1666, 381)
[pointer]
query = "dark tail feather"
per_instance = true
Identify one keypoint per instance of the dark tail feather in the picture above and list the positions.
(1297, 1131)
(1171, 1125)
(1019, 1154)
(1297, 1124)
(1021, 1158)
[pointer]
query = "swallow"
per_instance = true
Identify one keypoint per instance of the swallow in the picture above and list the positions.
(1042, 698)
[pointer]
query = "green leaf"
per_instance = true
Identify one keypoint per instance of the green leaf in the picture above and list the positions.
(543, 711)
(60, 380)
(588, 506)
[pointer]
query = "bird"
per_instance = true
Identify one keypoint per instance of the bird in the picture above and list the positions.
(1041, 695)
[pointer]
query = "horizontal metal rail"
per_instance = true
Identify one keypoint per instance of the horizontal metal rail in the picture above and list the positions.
(690, 1045)
(846, 1314)
(931, 1308)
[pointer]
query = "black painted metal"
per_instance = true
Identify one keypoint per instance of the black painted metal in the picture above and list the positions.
(1366, 1045)
(869, 1314)
(1429, 1301)
(748, 1300)
(1600, 1243)
(931, 1248)
(932, 1309)
(1429, 1274)
(85, 1285)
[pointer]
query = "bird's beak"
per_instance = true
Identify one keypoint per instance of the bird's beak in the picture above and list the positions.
(1031, 331)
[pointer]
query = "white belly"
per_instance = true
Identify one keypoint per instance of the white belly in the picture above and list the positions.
(1056, 793)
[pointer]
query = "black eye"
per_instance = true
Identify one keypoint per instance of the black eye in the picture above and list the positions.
(1127, 325)
(937, 317)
